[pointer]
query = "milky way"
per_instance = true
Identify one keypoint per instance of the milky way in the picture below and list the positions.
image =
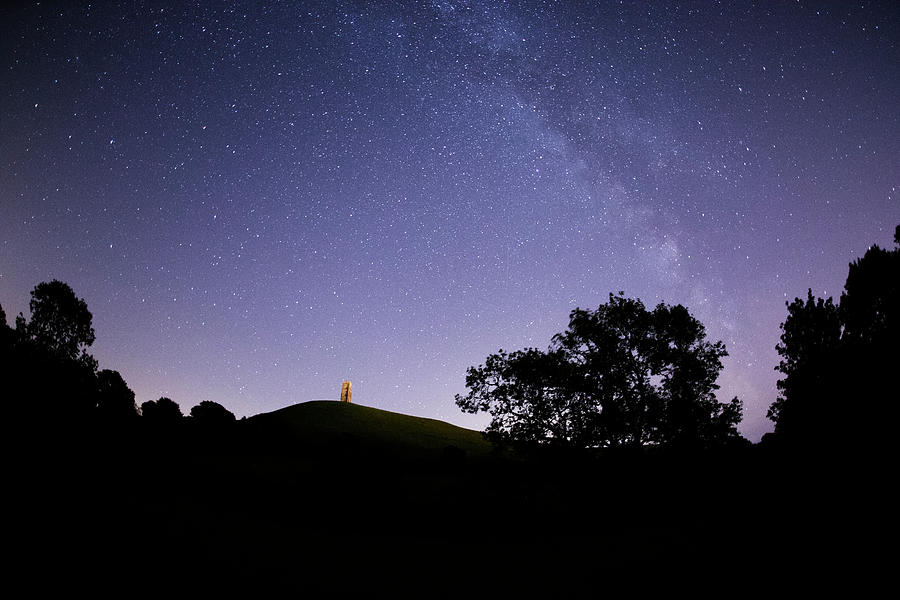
(259, 201)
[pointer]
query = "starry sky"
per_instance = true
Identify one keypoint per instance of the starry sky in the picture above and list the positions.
(258, 200)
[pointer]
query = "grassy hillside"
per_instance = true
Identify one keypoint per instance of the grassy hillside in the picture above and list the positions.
(339, 424)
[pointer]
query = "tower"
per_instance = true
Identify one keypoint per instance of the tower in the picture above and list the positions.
(346, 393)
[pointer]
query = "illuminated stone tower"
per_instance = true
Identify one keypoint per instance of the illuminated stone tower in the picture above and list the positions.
(346, 393)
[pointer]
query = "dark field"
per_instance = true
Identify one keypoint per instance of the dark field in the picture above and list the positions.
(330, 498)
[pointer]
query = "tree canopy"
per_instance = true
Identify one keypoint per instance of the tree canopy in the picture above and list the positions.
(211, 413)
(162, 411)
(619, 376)
(60, 321)
(115, 400)
(809, 339)
(47, 373)
(838, 361)
(6, 331)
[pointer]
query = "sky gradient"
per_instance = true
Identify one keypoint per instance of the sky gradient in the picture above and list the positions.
(260, 200)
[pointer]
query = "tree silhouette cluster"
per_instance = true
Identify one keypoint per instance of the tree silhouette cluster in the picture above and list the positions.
(619, 376)
(50, 377)
(839, 361)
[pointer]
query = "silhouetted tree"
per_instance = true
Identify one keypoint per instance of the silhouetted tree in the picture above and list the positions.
(43, 370)
(839, 362)
(689, 366)
(618, 376)
(164, 411)
(115, 400)
(527, 398)
(212, 413)
(60, 321)
(7, 337)
(6, 332)
(870, 344)
(870, 302)
(808, 350)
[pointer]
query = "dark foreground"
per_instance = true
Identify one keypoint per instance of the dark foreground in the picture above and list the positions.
(239, 511)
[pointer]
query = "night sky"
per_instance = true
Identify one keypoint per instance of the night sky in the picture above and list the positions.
(260, 200)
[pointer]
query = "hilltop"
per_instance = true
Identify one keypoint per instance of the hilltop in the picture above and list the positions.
(345, 426)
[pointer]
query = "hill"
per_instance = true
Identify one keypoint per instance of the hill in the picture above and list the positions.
(345, 427)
